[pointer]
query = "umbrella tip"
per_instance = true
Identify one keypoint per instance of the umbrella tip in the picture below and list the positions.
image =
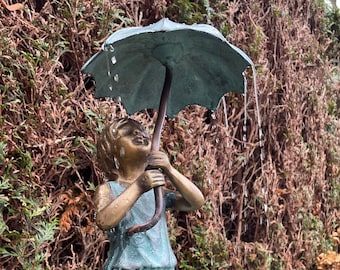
(164, 24)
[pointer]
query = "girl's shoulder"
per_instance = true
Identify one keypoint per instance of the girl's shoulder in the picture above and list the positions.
(102, 196)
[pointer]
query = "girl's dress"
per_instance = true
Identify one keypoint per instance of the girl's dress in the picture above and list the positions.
(146, 250)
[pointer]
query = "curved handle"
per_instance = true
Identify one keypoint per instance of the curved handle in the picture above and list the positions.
(154, 147)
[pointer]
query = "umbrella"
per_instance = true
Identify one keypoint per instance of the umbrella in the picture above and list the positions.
(168, 66)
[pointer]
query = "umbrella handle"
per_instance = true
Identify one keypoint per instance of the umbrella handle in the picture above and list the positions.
(155, 147)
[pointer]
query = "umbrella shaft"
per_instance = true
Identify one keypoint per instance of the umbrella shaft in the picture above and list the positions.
(161, 110)
(155, 147)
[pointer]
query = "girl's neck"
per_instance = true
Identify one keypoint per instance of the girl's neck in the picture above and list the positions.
(128, 173)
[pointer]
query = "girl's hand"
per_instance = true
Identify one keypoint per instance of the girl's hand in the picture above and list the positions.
(150, 179)
(158, 159)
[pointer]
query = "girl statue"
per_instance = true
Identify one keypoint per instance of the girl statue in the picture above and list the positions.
(127, 199)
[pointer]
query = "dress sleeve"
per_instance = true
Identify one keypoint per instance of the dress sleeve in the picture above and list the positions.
(170, 199)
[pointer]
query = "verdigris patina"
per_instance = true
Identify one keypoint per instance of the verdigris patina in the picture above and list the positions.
(124, 155)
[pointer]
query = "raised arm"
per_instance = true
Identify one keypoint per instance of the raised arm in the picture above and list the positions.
(189, 197)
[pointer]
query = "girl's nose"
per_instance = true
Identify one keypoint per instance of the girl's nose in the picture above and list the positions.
(137, 132)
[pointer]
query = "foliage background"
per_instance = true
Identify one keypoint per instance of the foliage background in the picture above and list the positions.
(283, 214)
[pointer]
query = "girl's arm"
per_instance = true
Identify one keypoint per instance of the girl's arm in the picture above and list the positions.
(111, 210)
(190, 197)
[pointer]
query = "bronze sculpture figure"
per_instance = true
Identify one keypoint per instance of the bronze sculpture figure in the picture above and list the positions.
(124, 155)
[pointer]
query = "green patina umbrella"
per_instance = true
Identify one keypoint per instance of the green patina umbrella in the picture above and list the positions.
(168, 66)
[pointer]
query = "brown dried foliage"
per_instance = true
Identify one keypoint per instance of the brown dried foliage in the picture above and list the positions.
(275, 215)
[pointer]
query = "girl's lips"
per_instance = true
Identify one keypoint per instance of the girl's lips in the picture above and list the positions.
(141, 140)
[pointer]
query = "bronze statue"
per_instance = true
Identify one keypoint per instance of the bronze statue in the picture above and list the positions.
(127, 199)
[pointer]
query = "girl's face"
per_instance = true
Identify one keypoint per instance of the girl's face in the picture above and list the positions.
(132, 140)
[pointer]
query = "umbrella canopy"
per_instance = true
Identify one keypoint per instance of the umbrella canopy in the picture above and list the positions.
(131, 66)
(166, 65)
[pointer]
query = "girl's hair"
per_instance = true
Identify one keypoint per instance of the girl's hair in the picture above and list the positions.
(107, 149)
